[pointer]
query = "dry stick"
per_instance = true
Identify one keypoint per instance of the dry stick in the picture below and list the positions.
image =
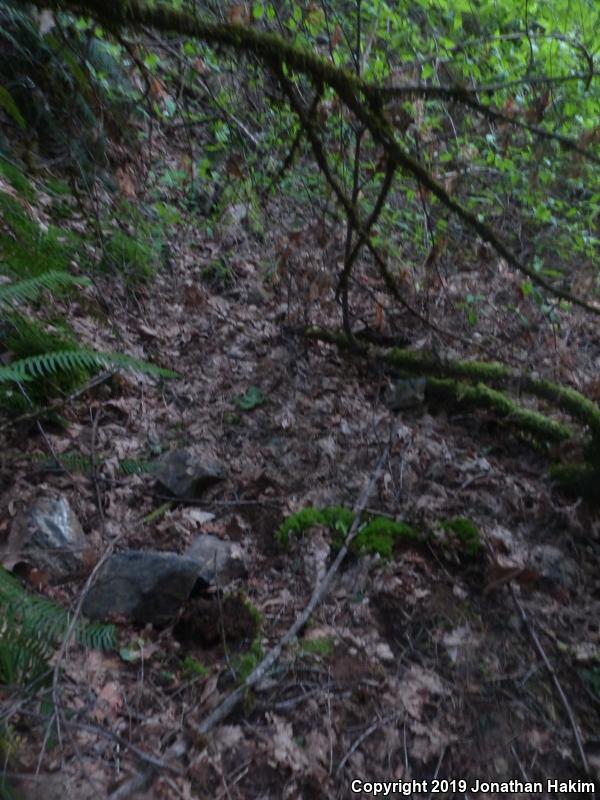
(229, 704)
(554, 676)
(372, 219)
(380, 723)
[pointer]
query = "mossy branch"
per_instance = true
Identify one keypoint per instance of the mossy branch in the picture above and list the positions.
(455, 379)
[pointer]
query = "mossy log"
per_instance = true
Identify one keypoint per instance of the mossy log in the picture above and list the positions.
(452, 375)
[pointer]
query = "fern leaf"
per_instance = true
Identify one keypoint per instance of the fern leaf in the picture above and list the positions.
(41, 619)
(22, 291)
(38, 366)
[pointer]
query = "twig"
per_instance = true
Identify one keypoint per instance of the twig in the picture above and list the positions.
(364, 735)
(552, 671)
(437, 769)
(229, 704)
(94, 464)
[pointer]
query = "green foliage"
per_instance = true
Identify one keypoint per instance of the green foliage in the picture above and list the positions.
(219, 274)
(251, 398)
(376, 535)
(192, 668)
(16, 178)
(30, 289)
(129, 256)
(30, 629)
(245, 663)
(66, 84)
(34, 367)
(466, 533)
(76, 462)
(322, 647)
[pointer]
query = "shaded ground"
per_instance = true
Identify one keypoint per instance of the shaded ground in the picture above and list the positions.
(422, 666)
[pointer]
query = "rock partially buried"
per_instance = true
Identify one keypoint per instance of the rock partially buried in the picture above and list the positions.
(218, 562)
(185, 474)
(47, 535)
(141, 585)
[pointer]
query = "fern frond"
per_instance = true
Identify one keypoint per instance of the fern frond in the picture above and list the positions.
(42, 619)
(39, 366)
(22, 291)
(24, 657)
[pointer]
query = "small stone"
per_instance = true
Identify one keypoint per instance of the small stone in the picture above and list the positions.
(185, 474)
(48, 536)
(218, 562)
(384, 653)
(553, 565)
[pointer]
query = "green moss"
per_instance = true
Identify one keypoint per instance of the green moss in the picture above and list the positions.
(17, 179)
(27, 249)
(376, 535)
(192, 668)
(58, 187)
(379, 535)
(466, 533)
(317, 647)
(245, 663)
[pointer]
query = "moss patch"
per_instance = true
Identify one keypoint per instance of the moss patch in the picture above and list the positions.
(26, 248)
(17, 179)
(466, 533)
(322, 648)
(376, 535)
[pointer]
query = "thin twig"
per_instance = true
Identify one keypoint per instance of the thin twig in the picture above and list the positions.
(554, 676)
(380, 723)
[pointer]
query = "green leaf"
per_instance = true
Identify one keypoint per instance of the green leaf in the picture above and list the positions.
(252, 398)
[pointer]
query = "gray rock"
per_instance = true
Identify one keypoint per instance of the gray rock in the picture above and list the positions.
(185, 474)
(48, 536)
(141, 585)
(218, 562)
(553, 565)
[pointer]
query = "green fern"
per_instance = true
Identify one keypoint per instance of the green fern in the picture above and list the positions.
(30, 628)
(76, 462)
(30, 289)
(45, 364)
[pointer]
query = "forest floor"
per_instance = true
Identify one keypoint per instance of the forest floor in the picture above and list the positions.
(424, 667)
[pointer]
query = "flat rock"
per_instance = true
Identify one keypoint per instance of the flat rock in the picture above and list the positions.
(141, 585)
(218, 562)
(47, 535)
(185, 474)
